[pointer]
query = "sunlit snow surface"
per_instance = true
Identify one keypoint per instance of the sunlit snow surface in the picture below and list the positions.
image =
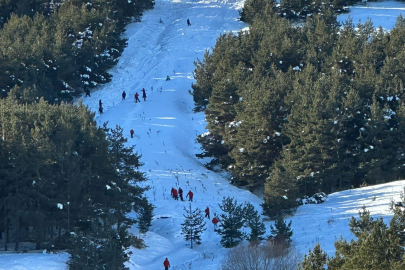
(165, 131)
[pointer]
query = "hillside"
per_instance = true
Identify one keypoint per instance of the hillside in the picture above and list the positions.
(165, 131)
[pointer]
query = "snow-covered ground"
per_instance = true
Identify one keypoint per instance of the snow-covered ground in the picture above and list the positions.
(166, 128)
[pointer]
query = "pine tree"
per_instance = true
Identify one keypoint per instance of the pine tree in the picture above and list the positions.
(193, 226)
(376, 246)
(281, 232)
(316, 259)
(231, 222)
(100, 247)
(145, 215)
(255, 136)
(256, 225)
(364, 224)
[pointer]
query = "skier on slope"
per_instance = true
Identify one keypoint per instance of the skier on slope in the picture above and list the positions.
(132, 133)
(190, 196)
(175, 194)
(144, 94)
(180, 192)
(207, 213)
(166, 264)
(124, 95)
(137, 97)
(215, 221)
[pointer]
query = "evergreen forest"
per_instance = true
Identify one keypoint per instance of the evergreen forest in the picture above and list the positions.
(298, 106)
(59, 49)
(65, 183)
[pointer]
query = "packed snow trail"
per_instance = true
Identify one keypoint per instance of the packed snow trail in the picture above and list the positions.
(165, 126)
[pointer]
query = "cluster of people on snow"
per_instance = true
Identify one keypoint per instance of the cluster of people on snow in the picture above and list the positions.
(176, 194)
(124, 94)
(179, 193)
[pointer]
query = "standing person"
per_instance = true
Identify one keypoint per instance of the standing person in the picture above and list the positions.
(166, 264)
(100, 109)
(132, 133)
(171, 192)
(190, 196)
(188, 22)
(100, 104)
(144, 94)
(181, 194)
(87, 93)
(137, 97)
(167, 78)
(175, 194)
(215, 221)
(124, 95)
(207, 213)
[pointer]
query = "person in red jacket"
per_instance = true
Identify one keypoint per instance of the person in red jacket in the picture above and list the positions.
(132, 133)
(137, 97)
(175, 194)
(172, 192)
(215, 221)
(207, 213)
(166, 264)
(190, 196)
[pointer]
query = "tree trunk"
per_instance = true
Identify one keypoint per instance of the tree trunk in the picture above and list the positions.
(5, 229)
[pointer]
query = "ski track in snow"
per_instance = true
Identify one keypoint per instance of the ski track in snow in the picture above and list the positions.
(165, 131)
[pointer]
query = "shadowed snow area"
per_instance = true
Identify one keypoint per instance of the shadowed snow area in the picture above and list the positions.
(165, 131)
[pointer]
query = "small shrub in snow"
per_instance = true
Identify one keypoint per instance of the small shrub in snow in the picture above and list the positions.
(319, 197)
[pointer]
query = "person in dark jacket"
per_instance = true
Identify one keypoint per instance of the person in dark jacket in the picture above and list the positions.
(100, 104)
(188, 22)
(166, 264)
(144, 94)
(124, 95)
(132, 133)
(137, 97)
(190, 196)
(180, 192)
(100, 109)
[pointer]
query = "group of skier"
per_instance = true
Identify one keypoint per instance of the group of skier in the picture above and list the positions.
(215, 220)
(124, 95)
(179, 193)
(137, 95)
